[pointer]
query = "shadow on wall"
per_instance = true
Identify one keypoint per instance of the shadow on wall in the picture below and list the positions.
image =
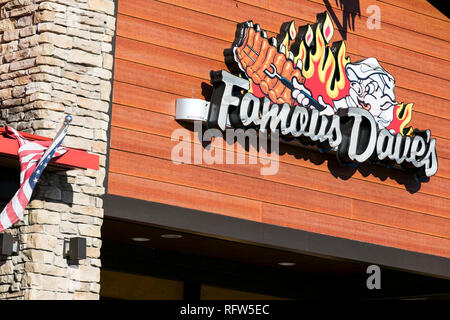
(350, 9)
(54, 188)
(3, 203)
(407, 179)
(344, 172)
(9, 184)
(440, 5)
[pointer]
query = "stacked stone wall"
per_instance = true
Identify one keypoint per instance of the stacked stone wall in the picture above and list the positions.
(56, 59)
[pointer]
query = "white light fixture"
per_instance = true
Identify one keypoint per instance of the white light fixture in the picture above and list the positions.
(171, 236)
(140, 239)
(287, 264)
(189, 109)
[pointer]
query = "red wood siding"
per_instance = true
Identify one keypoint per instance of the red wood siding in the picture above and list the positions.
(165, 50)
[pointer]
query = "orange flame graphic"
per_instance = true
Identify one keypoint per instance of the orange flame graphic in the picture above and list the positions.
(402, 116)
(306, 55)
(323, 67)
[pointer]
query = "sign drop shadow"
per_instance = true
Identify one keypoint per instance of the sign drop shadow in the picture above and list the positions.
(350, 9)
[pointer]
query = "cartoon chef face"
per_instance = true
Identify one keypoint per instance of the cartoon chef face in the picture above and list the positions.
(372, 88)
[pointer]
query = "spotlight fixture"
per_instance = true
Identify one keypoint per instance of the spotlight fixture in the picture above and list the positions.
(75, 248)
(287, 264)
(140, 239)
(171, 236)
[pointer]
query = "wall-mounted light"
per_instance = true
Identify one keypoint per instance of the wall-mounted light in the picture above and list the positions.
(75, 248)
(189, 109)
(171, 236)
(287, 264)
(140, 239)
(9, 245)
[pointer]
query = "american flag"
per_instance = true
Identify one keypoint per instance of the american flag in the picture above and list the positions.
(34, 157)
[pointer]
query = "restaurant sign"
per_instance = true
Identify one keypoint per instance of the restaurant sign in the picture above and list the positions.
(299, 86)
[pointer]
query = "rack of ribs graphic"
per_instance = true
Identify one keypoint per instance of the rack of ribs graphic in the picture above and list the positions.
(299, 67)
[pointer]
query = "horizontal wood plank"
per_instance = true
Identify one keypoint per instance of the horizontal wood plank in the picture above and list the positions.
(390, 34)
(164, 125)
(142, 97)
(283, 216)
(182, 196)
(154, 100)
(356, 230)
(189, 40)
(160, 147)
(279, 11)
(419, 6)
(178, 84)
(424, 103)
(165, 50)
(171, 37)
(189, 64)
(397, 16)
(296, 176)
(408, 79)
(129, 139)
(158, 79)
(187, 86)
(417, 67)
(396, 7)
(177, 17)
(167, 59)
(226, 183)
(401, 219)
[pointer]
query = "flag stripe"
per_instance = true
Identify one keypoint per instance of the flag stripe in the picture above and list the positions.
(4, 221)
(10, 214)
(34, 157)
(23, 199)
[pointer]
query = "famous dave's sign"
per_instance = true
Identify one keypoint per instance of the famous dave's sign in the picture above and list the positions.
(307, 90)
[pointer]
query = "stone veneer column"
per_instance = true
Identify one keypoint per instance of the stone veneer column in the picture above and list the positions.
(56, 59)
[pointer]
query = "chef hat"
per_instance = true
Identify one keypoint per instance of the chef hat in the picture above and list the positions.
(370, 68)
